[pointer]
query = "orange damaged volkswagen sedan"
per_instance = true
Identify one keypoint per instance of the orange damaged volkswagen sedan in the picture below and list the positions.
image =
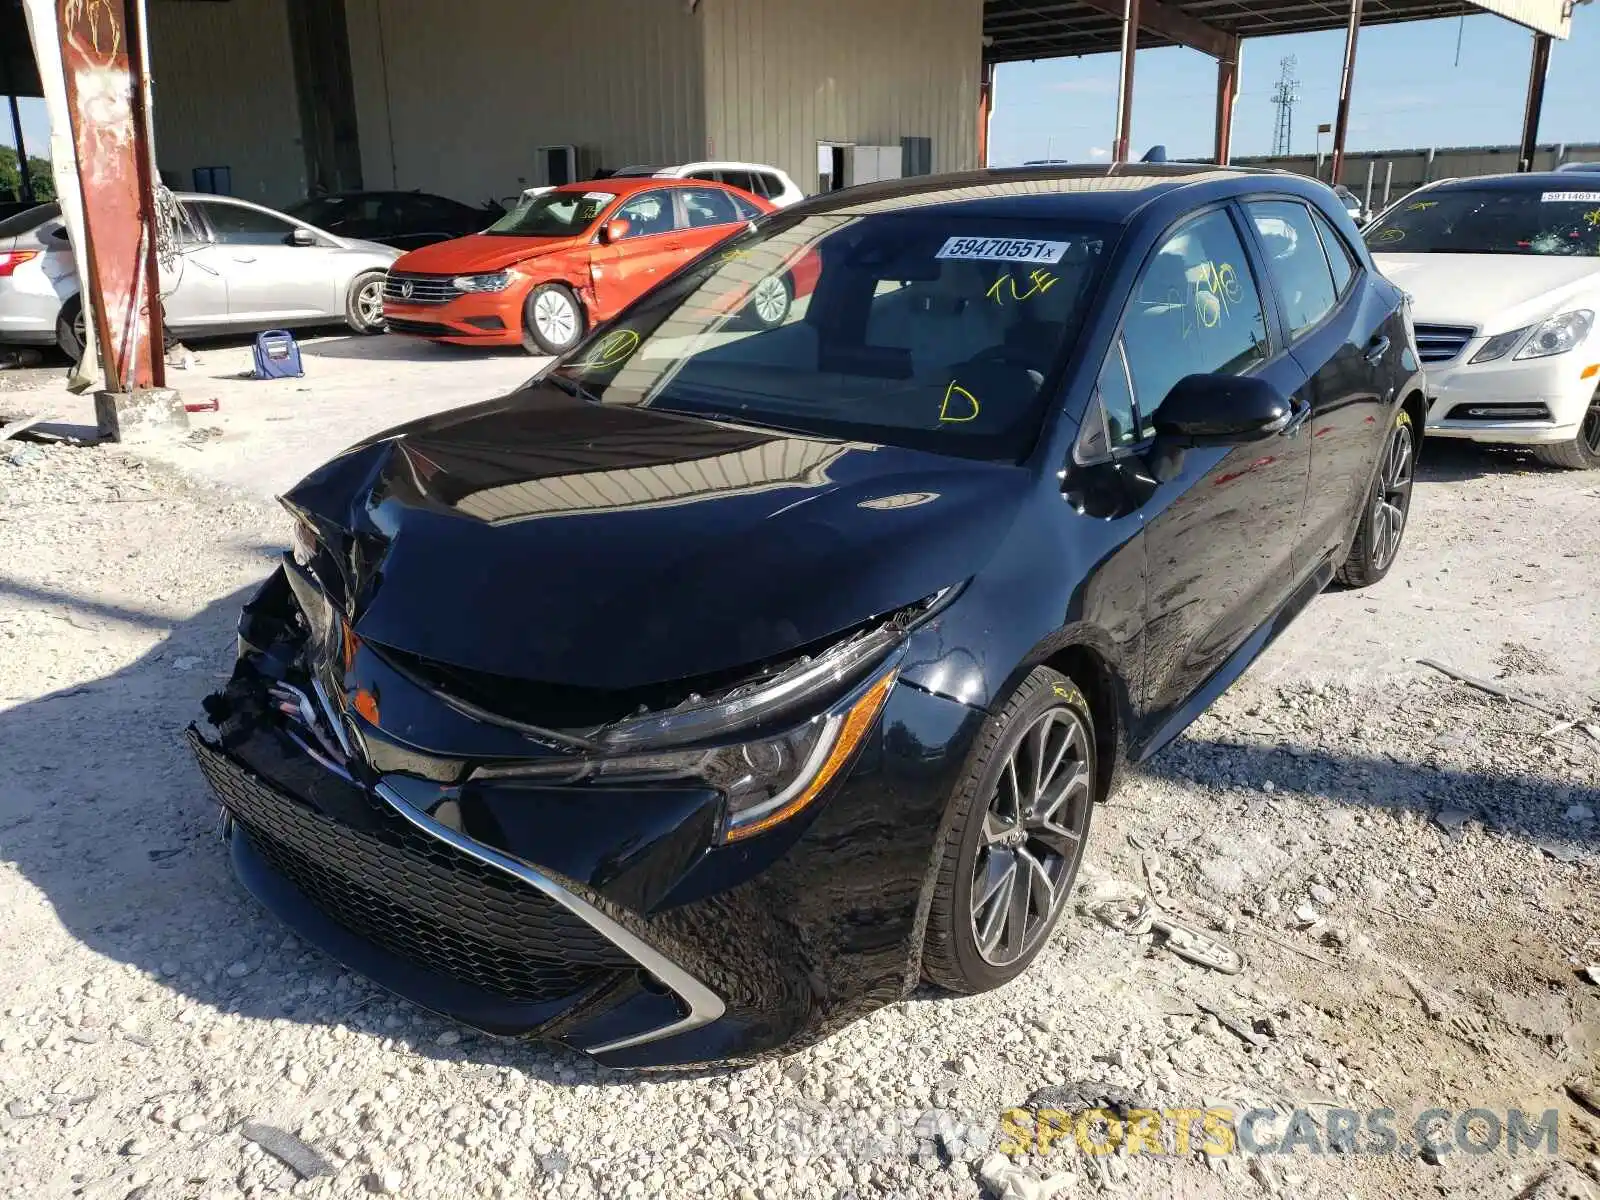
(564, 261)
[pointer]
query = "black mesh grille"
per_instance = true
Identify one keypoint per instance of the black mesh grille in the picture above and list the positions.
(416, 896)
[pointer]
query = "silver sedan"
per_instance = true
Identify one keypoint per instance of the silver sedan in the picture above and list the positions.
(239, 267)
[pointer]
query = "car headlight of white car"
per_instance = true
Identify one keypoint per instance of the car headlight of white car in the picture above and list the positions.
(1558, 334)
(497, 281)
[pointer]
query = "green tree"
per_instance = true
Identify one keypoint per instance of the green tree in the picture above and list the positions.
(44, 184)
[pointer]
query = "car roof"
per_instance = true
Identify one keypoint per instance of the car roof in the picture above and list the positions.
(1528, 181)
(626, 185)
(1093, 193)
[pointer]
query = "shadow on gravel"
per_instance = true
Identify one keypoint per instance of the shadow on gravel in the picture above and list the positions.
(1452, 460)
(1525, 806)
(103, 810)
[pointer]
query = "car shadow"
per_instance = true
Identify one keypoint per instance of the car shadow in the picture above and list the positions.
(398, 347)
(105, 813)
(1454, 460)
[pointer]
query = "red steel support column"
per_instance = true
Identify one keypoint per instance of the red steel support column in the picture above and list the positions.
(1130, 46)
(1347, 80)
(1227, 92)
(100, 96)
(1535, 104)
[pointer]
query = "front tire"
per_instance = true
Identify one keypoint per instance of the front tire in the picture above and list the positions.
(1582, 453)
(769, 303)
(1383, 520)
(1011, 853)
(552, 319)
(363, 306)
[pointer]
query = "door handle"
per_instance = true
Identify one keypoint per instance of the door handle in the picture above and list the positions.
(1377, 348)
(1297, 418)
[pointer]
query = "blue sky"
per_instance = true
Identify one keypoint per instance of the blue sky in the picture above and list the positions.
(1409, 92)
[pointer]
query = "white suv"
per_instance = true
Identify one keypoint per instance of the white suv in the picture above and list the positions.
(757, 178)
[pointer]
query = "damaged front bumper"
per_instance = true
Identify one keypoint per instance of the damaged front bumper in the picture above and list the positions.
(609, 917)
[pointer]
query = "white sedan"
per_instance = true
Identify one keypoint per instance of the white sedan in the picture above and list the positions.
(238, 267)
(1504, 276)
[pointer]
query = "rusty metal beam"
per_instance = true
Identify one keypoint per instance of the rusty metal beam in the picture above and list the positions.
(1130, 50)
(1347, 83)
(1534, 106)
(1227, 93)
(1172, 23)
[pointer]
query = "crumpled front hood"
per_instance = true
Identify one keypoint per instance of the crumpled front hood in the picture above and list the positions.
(479, 252)
(542, 537)
(1493, 293)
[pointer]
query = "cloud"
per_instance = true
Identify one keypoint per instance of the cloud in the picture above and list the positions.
(1099, 152)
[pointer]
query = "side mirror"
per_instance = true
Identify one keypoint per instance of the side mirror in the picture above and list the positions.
(613, 231)
(1221, 410)
(302, 236)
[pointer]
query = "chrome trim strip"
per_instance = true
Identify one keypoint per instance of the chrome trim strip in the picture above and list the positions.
(705, 1006)
(335, 720)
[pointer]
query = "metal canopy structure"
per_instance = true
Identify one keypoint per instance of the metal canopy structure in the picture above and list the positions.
(1015, 30)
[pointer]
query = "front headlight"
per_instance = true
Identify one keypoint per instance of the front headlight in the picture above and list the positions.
(1499, 346)
(1558, 334)
(499, 281)
(764, 781)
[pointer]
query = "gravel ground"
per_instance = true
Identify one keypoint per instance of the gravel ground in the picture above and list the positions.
(1406, 864)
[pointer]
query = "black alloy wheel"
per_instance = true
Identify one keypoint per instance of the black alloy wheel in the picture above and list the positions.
(1383, 523)
(1014, 845)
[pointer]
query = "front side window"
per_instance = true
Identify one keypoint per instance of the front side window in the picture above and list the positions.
(1492, 220)
(647, 213)
(738, 179)
(1296, 265)
(913, 329)
(1195, 311)
(236, 225)
(561, 213)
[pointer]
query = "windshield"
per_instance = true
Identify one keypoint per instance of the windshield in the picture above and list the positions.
(1493, 221)
(553, 214)
(902, 328)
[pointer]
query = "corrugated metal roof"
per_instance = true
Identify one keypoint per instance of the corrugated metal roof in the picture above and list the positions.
(1023, 29)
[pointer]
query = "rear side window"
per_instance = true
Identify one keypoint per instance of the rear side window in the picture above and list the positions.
(738, 179)
(1195, 311)
(1339, 260)
(708, 206)
(767, 185)
(1296, 264)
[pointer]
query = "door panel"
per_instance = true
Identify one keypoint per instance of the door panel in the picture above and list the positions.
(1334, 325)
(654, 247)
(268, 279)
(1220, 537)
(194, 293)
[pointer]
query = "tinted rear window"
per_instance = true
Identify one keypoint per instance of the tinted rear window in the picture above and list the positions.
(29, 219)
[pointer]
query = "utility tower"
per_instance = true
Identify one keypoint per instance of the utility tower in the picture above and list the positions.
(1285, 94)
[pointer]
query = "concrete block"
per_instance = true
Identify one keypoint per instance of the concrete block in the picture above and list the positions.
(146, 414)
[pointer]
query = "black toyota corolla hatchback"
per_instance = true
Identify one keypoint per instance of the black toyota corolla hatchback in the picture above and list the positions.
(760, 659)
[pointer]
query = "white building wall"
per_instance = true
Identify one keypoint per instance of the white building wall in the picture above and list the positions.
(223, 88)
(468, 89)
(783, 75)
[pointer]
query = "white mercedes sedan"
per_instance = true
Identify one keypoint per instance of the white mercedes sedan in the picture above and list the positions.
(1504, 277)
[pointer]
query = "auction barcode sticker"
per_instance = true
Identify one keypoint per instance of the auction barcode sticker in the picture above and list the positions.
(1003, 249)
(1570, 198)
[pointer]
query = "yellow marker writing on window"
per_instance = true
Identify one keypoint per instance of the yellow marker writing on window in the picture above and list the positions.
(610, 350)
(1039, 281)
(1421, 206)
(1592, 218)
(958, 405)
